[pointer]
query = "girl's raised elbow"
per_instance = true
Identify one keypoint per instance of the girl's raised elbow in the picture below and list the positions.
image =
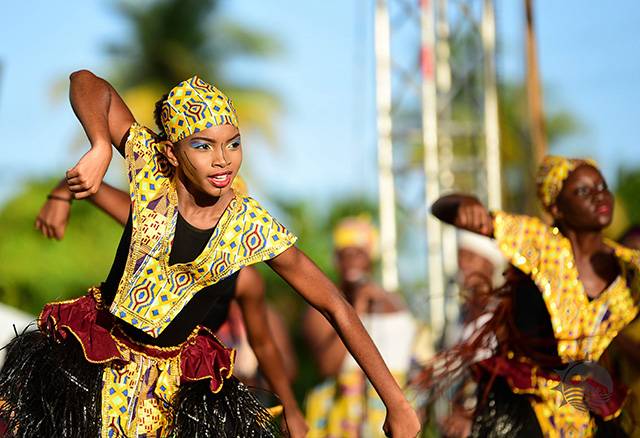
(80, 73)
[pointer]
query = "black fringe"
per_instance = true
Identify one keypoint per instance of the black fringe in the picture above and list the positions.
(232, 413)
(48, 389)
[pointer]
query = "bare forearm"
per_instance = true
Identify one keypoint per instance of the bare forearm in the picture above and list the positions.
(345, 321)
(61, 189)
(114, 202)
(446, 207)
(302, 274)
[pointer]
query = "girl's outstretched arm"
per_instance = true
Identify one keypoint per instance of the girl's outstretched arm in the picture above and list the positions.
(106, 121)
(464, 211)
(306, 278)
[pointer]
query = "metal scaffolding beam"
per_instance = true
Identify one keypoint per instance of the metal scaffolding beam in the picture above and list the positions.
(440, 97)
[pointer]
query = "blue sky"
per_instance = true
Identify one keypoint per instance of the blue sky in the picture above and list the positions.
(588, 56)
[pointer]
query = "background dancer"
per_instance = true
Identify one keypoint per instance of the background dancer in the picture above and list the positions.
(588, 291)
(345, 404)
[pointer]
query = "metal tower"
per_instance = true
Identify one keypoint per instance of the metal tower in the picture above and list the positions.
(437, 125)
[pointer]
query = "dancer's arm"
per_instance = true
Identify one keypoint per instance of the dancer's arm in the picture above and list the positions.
(306, 278)
(464, 211)
(53, 217)
(106, 121)
(250, 294)
(326, 346)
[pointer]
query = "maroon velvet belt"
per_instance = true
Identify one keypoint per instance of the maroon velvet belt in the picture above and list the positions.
(603, 396)
(202, 355)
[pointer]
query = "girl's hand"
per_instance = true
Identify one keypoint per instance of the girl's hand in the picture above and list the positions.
(474, 216)
(401, 422)
(85, 178)
(296, 424)
(54, 216)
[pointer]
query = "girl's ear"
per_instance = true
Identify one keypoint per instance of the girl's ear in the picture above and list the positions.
(555, 212)
(169, 151)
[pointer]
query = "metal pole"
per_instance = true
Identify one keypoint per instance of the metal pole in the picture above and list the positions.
(431, 166)
(491, 122)
(385, 148)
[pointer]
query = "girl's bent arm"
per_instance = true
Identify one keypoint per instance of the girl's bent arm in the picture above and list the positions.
(105, 117)
(464, 211)
(306, 278)
(106, 120)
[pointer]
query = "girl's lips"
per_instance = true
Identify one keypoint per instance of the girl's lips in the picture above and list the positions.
(603, 209)
(220, 181)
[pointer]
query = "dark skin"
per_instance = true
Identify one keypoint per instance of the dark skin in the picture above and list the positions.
(582, 210)
(266, 335)
(107, 120)
(354, 268)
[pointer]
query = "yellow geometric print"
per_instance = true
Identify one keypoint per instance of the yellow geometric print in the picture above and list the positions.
(151, 293)
(194, 105)
(136, 396)
(583, 328)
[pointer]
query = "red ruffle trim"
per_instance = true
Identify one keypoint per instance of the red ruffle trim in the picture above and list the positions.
(602, 394)
(202, 356)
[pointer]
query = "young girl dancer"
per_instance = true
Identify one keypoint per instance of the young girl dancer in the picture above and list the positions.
(132, 358)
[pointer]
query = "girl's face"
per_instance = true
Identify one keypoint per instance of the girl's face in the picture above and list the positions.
(585, 202)
(209, 160)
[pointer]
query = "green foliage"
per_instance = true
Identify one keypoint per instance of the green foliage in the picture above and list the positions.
(35, 270)
(627, 191)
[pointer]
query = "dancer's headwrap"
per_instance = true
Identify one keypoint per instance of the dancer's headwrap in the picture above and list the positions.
(194, 105)
(552, 173)
(356, 231)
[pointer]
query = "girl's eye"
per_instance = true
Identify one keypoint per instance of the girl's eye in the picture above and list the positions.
(200, 145)
(234, 144)
(583, 191)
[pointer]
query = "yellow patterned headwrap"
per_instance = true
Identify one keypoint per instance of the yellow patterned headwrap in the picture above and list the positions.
(552, 173)
(356, 231)
(194, 105)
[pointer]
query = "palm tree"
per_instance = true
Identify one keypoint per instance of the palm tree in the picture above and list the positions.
(172, 40)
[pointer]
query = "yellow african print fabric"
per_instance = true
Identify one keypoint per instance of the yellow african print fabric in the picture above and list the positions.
(136, 396)
(552, 173)
(346, 407)
(583, 328)
(151, 293)
(193, 106)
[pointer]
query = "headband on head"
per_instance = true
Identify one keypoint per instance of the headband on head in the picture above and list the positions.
(194, 105)
(356, 231)
(552, 173)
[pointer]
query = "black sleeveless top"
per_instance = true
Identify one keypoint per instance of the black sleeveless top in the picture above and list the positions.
(209, 307)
